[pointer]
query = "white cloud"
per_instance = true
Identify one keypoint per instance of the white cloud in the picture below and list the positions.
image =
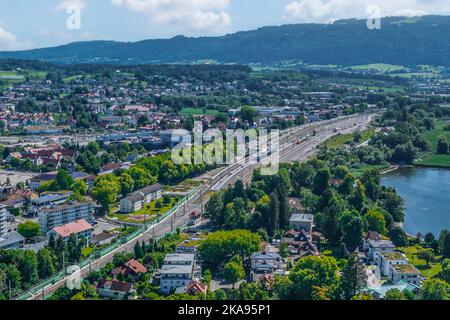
(64, 5)
(9, 41)
(191, 14)
(331, 10)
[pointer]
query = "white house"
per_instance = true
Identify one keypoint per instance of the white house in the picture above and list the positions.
(379, 246)
(136, 201)
(177, 271)
(388, 259)
(114, 289)
(3, 222)
(405, 272)
(302, 222)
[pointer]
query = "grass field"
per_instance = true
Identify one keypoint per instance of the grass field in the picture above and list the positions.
(380, 67)
(429, 272)
(358, 172)
(433, 159)
(341, 139)
(146, 214)
(199, 112)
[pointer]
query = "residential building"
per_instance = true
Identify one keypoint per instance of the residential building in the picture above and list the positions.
(3, 220)
(136, 201)
(302, 222)
(380, 291)
(378, 247)
(371, 235)
(11, 241)
(405, 272)
(114, 289)
(388, 259)
(66, 213)
(51, 199)
(132, 267)
(178, 270)
(266, 263)
(37, 181)
(80, 229)
(193, 289)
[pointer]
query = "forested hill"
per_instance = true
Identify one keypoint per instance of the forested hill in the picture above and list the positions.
(400, 41)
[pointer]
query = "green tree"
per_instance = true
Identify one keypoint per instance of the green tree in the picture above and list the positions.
(443, 145)
(394, 294)
(46, 263)
(63, 180)
(248, 114)
(310, 272)
(105, 191)
(93, 147)
(352, 232)
(138, 254)
(221, 246)
(29, 229)
(446, 270)
(398, 237)
(353, 278)
(375, 220)
(234, 271)
(435, 289)
(446, 247)
(322, 181)
(427, 255)
(79, 187)
(273, 215)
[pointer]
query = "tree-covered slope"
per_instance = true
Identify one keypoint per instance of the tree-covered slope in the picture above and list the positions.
(400, 41)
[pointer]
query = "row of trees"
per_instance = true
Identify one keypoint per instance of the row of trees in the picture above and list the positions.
(21, 269)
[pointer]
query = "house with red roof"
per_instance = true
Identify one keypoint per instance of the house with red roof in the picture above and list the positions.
(81, 229)
(131, 267)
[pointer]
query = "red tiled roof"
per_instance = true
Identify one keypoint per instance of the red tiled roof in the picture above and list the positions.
(72, 228)
(136, 266)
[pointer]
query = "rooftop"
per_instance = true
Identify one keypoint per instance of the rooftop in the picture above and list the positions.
(393, 255)
(405, 268)
(301, 218)
(72, 228)
(11, 238)
(381, 244)
(181, 257)
(176, 269)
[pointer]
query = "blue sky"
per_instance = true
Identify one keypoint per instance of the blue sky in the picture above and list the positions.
(28, 24)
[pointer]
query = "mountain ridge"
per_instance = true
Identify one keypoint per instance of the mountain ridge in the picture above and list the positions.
(401, 40)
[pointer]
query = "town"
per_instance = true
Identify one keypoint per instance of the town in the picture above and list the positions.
(87, 180)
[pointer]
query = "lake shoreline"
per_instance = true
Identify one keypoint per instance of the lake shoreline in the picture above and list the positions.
(424, 191)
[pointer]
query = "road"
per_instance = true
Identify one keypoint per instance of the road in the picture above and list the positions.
(289, 151)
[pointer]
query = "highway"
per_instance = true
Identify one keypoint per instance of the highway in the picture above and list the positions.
(296, 144)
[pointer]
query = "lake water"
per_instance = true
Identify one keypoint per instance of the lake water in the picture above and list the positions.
(427, 196)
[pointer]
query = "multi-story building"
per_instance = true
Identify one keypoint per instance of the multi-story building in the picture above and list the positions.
(379, 246)
(406, 272)
(82, 230)
(56, 216)
(389, 259)
(3, 218)
(177, 271)
(135, 201)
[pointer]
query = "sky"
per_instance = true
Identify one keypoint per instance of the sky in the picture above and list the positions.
(27, 24)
